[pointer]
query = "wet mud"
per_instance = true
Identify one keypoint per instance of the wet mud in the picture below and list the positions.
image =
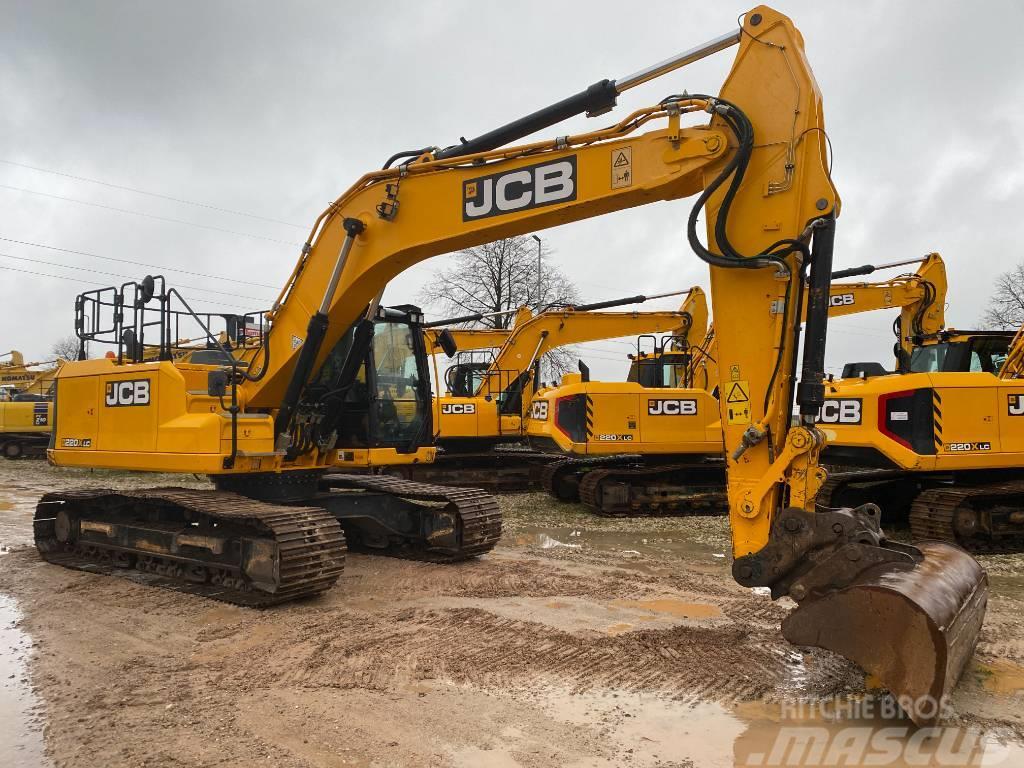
(577, 642)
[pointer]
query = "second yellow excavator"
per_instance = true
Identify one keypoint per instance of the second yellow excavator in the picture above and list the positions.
(479, 420)
(652, 445)
(910, 615)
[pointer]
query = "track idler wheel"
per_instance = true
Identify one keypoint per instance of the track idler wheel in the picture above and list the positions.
(914, 629)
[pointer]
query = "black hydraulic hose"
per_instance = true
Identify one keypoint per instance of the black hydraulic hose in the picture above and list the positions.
(406, 153)
(811, 389)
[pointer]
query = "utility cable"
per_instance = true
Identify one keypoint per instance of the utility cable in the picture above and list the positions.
(138, 191)
(148, 215)
(138, 263)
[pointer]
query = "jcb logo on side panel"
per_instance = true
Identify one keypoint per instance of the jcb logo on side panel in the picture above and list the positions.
(134, 392)
(1015, 405)
(842, 300)
(531, 187)
(840, 412)
(672, 407)
(458, 408)
(539, 410)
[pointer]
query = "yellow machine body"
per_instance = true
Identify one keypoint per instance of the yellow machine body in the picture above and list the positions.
(497, 408)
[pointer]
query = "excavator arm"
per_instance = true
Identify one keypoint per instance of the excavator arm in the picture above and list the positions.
(760, 172)
(920, 297)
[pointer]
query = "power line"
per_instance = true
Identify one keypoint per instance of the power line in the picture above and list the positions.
(137, 263)
(117, 274)
(147, 215)
(89, 282)
(154, 194)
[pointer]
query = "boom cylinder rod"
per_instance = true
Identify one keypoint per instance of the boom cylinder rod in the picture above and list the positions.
(810, 394)
(594, 100)
(315, 333)
(867, 269)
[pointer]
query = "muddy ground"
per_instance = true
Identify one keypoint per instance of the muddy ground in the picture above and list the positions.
(577, 642)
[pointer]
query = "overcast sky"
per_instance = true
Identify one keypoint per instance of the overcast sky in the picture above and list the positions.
(273, 109)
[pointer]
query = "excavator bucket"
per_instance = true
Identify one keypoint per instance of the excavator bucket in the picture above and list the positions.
(913, 629)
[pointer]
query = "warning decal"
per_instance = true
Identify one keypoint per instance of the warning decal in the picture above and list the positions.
(737, 402)
(622, 167)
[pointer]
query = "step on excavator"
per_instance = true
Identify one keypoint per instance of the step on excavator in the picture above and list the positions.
(939, 442)
(910, 615)
(479, 421)
(652, 445)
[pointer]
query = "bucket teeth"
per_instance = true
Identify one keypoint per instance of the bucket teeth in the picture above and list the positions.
(913, 628)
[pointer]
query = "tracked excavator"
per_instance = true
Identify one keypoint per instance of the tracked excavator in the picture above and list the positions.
(909, 615)
(652, 445)
(939, 442)
(25, 407)
(479, 421)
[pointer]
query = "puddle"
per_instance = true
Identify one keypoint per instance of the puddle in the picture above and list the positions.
(647, 730)
(1001, 676)
(21, 737)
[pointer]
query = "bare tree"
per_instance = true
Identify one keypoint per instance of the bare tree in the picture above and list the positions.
(1006, 305)
(65, 348)
(501, 277)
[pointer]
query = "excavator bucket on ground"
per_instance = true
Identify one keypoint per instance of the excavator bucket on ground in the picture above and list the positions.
(913, 627)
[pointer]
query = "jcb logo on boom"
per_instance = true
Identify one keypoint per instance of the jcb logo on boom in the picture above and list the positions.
(531, 187)
(840, 412)
(458, 408)
(135, 392)
(672, 407)
(1015, 405)
(842, 300)
(539, 410)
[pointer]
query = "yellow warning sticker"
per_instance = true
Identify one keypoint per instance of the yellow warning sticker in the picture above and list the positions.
(622, 167)
(737, 402)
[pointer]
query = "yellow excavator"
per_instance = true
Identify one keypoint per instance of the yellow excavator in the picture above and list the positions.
(479, 421)
(939, 442)
(653, 445)
(25, 407)
(267, 434)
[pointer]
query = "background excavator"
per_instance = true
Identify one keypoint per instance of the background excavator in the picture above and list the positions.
(479, 420)
(25, 406)
(652, 445)
(909, 615)
(939, 442)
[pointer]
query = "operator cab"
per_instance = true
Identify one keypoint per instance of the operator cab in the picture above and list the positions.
(948, 351)
(374, 386)
(961, 351)
(667, 366)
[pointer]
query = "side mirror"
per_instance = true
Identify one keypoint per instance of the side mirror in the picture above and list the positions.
(147, 288)
(447, 342)
(217, 383)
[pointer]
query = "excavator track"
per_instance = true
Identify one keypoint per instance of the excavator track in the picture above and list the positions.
(559, 478)
(215, 544)
(891, 489)
(453, 524)
(979, 518)
(498, 471)
(669, 489)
